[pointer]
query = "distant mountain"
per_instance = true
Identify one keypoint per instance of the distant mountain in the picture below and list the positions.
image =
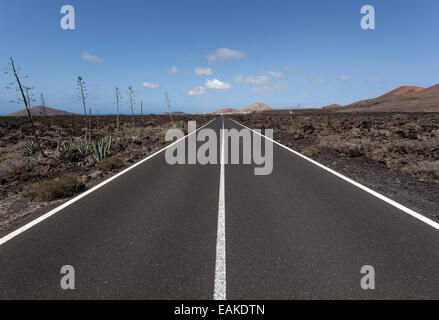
(333, 106)
(426, 93)
(227, 110)
(402, 99)
(256, 107)
(41, 111)
(404, 90)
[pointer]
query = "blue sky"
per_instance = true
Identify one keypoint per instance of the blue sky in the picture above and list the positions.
(288, 52)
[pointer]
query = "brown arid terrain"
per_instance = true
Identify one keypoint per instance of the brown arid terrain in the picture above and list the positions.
(396, 154)
(402, 99)
(31, 184)
(404, 90)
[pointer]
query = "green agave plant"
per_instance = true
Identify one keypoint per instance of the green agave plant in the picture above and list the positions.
(31, 147)
(101, 149)
(83, 147)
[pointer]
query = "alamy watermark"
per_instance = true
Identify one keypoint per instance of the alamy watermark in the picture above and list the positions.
(68, 280)
(209, 151)
(368, 280)
(68, 19)
(368, 20)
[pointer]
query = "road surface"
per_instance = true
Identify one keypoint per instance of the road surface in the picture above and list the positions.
(218, 231)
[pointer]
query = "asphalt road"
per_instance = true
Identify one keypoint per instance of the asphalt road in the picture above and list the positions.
(152, 233)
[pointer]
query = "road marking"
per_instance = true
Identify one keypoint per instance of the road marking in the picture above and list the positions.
(364, 188)
(220, 264)
(82, 195)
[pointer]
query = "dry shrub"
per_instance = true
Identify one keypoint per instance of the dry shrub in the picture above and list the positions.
(431, 142)
(8, 167)
(356, 133)
(424, 167)
(18, 146)
(352, 147)
(399, 147)
(311, 151)
(58, 188)
(112, 163)
(333, 142)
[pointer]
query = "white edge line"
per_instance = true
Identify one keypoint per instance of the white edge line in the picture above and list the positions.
(364, 188)
(82, 195)
(220, 263)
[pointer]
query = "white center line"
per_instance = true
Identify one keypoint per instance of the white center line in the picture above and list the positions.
(220, 265)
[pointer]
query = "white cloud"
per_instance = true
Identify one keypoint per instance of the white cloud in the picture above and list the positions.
(217, 84)
(258, 79)
(318, 80)
(149, 85)
(197, 91)
(239, 78)
(92, 58)
(344, 78)
(225, 54)
(276, 74)
(203, 71)
(173, 70)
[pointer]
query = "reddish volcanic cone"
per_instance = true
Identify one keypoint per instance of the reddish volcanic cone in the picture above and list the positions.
(429, 92)
(404, 90)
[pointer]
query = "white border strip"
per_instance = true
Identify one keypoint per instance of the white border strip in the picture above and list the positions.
(82, 195)
(364, 188)
(220, 264)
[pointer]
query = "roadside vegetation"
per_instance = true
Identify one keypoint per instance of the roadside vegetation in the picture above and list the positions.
(54, 189)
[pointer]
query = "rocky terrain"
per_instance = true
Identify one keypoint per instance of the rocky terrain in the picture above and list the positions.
(396, 154)
(31, 184)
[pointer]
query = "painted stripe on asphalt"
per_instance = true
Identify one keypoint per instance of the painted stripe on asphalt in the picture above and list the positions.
(220, 264)
(359, 185)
